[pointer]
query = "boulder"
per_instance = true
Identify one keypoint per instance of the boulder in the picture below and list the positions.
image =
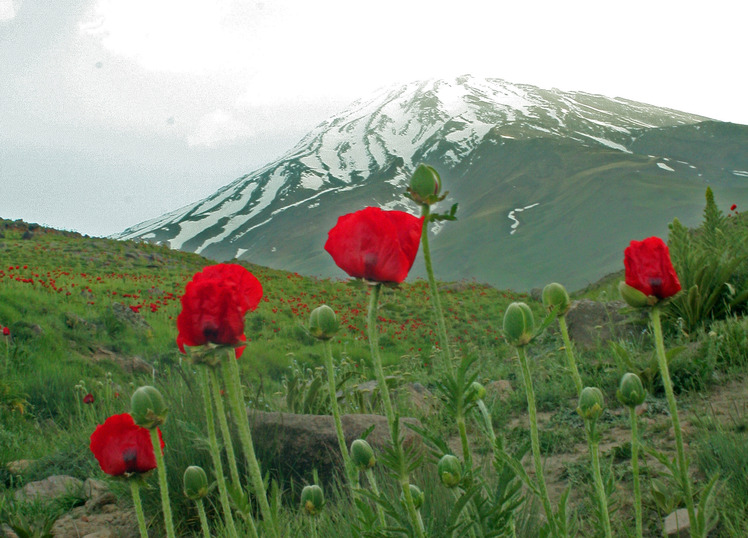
(592, 323)
(678, 524)
(127, 315)
(293, 445)
(50, 488)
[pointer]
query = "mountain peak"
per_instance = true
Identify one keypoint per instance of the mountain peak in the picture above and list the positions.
(365, 154)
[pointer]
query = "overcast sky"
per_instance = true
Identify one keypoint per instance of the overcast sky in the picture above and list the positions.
(116, 111)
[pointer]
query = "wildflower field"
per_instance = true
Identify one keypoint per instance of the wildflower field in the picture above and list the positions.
(135, 364)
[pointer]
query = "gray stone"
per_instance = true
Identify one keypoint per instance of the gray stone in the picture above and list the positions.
(678, 524)
(294, 445)
(50, 488)
(592, 323)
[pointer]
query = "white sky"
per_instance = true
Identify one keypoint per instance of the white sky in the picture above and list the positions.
(115, 111)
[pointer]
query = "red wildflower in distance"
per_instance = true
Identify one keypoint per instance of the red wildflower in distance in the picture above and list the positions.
(88, 398)
(376, 245)
(122, 447)
(733, 207)
(214, 304)
(6, 331)
(649, 269)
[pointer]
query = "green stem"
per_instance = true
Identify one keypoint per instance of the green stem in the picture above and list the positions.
(215, 455)
(373, 483)
(635, 471)
(163, 484)
(228, 445)
(540, 479)
(447, 354)
(570, 362)
(203, 518)
(681, 455)
(236, 399)
(135, 489)
(391, 418)
(347, 464)
(466, 455)
(599, 487)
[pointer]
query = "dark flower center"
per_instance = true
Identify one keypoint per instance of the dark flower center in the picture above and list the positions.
(130, 457)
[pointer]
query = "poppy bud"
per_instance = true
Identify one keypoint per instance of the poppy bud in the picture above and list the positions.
(631, 391)
(518, 324)
(416, 494)
(475, 392)
(425, 185)
(148, 408)
(312, 499)
(362, 454)
(450, 470)
(323, 324)
(555, 295)
(591, 403)
(195, 483)
(634, 297)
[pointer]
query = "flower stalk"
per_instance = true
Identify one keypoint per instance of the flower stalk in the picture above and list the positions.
(415, 518)
(135, 489)
(535, 441)
(215, 455)
(669, 394)
(236, 399)
(163, 483)
(635, 471)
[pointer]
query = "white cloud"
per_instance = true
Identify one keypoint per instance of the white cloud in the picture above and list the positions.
(218, 127)
(7, 10)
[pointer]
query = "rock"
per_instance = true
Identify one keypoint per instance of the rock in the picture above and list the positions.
(50, 488)
(118, 523)
(126, 315)
(421, 398)
(500, 388)
(131, 365)
(18, 466)
(592, 323)
(678, 524)
(297, 444)
(97, 494)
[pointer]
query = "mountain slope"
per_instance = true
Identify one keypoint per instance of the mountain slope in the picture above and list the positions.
(533, 170)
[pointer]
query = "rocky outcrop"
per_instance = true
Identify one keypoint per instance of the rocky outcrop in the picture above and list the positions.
(294, 445)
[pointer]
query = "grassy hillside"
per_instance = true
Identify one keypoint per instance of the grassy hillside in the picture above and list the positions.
(91, 315)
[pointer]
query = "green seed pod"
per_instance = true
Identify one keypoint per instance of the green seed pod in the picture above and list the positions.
(323, 324)
(591, 403)
(634, 297)
(518, 324)
(148, 408)
(631, 391)
(195, 483)
(555, 295)
(312, 499)
(425, 185)
(449, 469)
(416, 494)
(475, 392)
(362, 455)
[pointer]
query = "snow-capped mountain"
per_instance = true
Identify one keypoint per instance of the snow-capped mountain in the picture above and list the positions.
(279, 215)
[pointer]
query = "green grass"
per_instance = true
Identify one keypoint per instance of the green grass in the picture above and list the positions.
(58, 292)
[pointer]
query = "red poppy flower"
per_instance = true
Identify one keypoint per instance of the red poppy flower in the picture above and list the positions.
(374, 244)
(6, 331)
(88, 398)
(649, 269)
(122, 447)
(245, 285)
(733, 207)
(214, 304)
